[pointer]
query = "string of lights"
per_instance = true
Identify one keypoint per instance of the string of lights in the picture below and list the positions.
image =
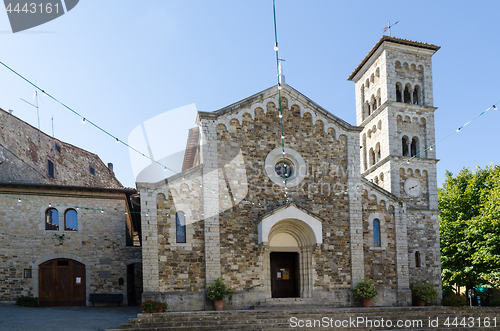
(494, 107)
(245, 201)
(115, 138)
(279, 73)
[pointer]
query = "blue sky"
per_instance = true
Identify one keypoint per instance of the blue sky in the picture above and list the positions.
(120, 63)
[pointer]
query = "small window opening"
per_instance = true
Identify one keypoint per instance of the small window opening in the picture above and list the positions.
(414, 148)
(398, 93)
(372, 157)
(180, 224)
(58, 148)
(407, 95)
(415, 96)
(92, 170)
(51, 168)
(52, 219)
(70, 220)
(417, 259)
(405, 146)
(376, 233)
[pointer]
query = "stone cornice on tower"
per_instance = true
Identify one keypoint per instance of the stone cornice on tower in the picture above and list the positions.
(405, 42)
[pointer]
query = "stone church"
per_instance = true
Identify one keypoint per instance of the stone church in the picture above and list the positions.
(299, 205)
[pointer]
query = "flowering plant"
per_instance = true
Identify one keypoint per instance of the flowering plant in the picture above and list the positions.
(219, 290)
(453, 299)
(151, 306)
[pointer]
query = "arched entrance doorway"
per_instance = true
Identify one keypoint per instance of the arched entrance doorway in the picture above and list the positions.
(289, 236)
(61, 283)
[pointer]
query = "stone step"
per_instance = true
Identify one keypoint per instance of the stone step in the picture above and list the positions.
(215, 315)
(256, 318)
(225, 324)
(279, 319)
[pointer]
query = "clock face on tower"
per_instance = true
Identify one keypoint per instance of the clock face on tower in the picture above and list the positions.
(413, 187)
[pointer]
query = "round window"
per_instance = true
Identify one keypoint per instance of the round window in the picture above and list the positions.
(286, 170)
(283, 169)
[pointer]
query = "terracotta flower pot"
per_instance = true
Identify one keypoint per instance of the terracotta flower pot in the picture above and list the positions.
(219, 304)
(420, 302)
(366, 302)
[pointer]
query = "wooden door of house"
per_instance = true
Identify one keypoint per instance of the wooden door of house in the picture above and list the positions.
(62, 283)
(284, 275)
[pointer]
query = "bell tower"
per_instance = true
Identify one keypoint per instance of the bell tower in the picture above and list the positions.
(394, 105)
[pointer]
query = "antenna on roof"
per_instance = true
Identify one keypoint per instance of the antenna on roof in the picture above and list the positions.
(35, 96)
(53, 140)
(388, 27)
(280, 70)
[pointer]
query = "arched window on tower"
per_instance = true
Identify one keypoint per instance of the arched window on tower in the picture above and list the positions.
(399, 92)
(364, 152)
(407, 96)
(418, 263)
(377, 153)
(363, 101)
(404, 144)
(376, 233)
(180, 227)
(372, 157)
(414, 146)
(373, 101)
(416, 91)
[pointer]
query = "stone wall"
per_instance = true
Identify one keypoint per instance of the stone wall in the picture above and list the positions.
(99, 243)
(244, 262)
(25, 152)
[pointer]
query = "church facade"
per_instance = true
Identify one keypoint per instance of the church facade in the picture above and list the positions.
(298, 203)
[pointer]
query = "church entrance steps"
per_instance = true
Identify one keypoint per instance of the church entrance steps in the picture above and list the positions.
(353, 319)
(285, 303)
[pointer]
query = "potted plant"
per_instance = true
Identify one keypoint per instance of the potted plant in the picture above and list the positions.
(365, 290)
(423, 292)
(218, 292)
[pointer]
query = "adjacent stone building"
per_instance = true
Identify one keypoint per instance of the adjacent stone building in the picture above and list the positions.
(298, 203)
(67, 225)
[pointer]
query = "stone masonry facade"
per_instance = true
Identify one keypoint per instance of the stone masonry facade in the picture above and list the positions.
(346, 207)
(79, 182)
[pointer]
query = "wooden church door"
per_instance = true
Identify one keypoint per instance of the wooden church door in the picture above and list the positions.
(285, 274)
(62, 283)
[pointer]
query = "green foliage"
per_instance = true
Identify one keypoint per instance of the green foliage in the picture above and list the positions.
(495, 303)
(27, 301)
(219, 290)
(151, 306)
(470, 228)
(365, 289)
(424, 291)
(454, 299)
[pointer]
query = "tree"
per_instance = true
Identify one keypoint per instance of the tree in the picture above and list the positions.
(470, 228)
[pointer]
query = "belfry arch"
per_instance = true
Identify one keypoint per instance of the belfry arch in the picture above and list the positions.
(289, 230)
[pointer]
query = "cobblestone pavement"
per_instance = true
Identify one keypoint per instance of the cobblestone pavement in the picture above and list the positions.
(15, 318)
